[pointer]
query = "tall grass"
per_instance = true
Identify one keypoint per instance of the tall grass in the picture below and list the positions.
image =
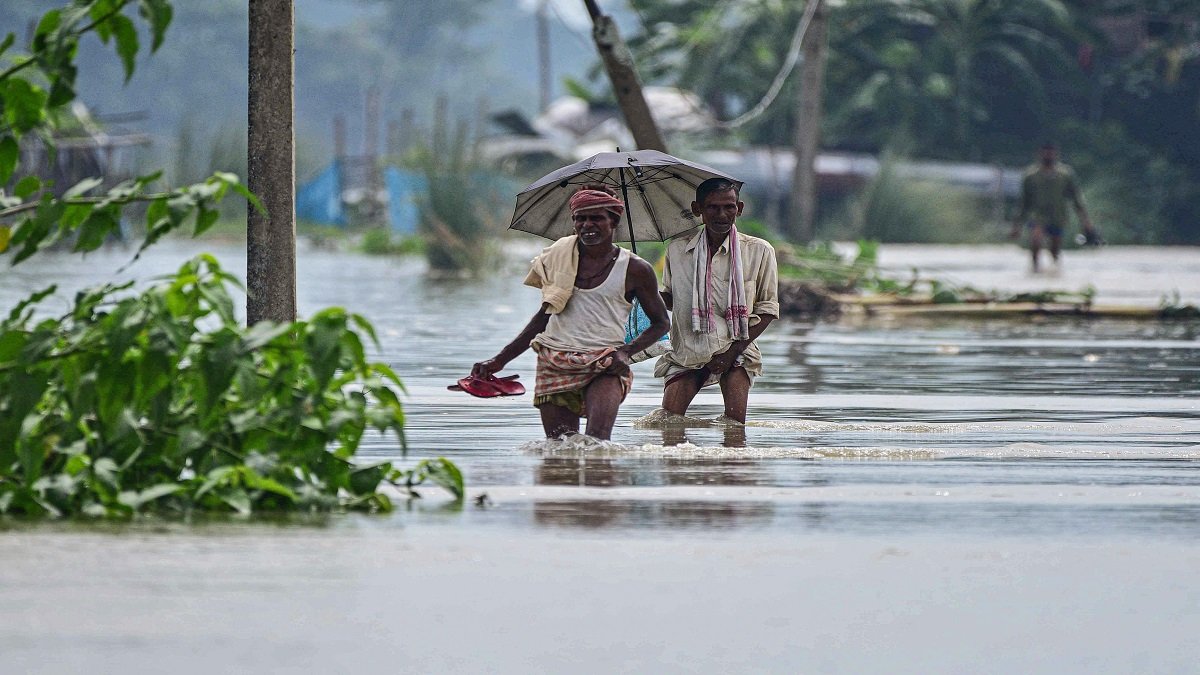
(894, 208)
(458, 211)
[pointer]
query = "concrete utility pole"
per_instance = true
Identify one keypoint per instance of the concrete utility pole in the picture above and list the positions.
(618, 63)
(271, 165)
(543, 43)
(803, 208)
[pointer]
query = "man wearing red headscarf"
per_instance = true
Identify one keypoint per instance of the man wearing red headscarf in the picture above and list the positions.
(588, 285)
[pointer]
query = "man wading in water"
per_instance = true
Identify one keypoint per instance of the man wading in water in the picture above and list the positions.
(723, 287)
(1047, 188)
(588, 285)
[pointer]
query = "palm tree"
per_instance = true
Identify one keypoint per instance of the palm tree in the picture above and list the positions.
(970, 42)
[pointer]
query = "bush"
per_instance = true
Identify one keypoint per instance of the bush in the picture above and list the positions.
(379, 241)
(455, 210)
(1133, 194)
(894, 208)
(161, 401)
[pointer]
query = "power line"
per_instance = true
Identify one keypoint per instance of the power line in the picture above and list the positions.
(789, 64)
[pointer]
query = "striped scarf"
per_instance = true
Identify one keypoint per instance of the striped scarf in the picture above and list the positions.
(738, 314)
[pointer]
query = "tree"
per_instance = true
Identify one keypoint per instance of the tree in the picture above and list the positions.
(972, 47)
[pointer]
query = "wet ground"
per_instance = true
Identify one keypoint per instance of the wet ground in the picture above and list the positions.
(910, 495)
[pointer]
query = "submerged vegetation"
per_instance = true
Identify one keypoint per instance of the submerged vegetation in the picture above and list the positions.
(455, 209)
(159, 400)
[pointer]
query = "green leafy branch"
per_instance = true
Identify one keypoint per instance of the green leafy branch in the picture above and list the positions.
(161, 401)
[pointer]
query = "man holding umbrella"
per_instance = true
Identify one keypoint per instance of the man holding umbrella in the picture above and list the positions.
(723, 290)
(588, 285)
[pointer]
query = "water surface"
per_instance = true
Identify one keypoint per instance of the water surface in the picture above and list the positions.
(910, 494)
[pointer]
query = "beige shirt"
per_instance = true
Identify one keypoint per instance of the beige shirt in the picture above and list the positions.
(760, 273)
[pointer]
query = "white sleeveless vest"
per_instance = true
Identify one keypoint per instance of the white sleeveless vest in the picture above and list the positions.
(594, 318)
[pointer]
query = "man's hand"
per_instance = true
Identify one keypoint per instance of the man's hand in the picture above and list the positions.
(620, 362)
(486, 368)
(722, 362)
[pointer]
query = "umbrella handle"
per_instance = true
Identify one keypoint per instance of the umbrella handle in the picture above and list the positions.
(628, 215)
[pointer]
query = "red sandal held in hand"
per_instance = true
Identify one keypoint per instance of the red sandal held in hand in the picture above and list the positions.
(490, 386)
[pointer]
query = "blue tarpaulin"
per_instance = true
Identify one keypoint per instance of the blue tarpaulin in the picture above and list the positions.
(404, 189)
(320, 199)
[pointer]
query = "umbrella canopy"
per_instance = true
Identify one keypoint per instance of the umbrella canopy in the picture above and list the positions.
(658, 191)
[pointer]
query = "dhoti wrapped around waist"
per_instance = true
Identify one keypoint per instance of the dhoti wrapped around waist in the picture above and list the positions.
(561, 371)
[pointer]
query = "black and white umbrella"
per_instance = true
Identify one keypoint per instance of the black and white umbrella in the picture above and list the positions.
(658, 191)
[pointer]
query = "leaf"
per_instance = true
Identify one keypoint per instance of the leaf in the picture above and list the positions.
(99, 14)
(11, 344)
(236, 185)
(24, 103)
(5, 236)
(255, 481)
(49, 23)
(127, 42)
(158, 13)
(27, 186)
(446, 474)
(205, 219)
(136, 499)
(366, 479)
(95, 230)
(82, 187)
(215, 478)
(263, 333)
(105, 470)
(10, 154)
(238, 500)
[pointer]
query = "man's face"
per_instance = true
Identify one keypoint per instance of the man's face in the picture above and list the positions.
(719, 211)
(595, 227)
(1048, 155)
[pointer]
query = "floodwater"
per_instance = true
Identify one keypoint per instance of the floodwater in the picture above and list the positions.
(915, 494)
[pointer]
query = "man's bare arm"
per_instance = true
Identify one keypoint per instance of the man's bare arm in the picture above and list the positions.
(512, 350)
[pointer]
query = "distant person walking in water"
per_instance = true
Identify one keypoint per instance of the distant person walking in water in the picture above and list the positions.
(723, 289)
(588, 285)
(1046, 189)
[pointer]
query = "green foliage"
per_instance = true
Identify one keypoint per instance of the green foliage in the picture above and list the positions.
(379, 241)
(161, 401)
(821, 265)
(1128, 188)
(1171, 307)
(34, 91)
(915, 68)
(454, 209)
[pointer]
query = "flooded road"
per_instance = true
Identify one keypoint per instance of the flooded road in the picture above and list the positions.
(940, 495)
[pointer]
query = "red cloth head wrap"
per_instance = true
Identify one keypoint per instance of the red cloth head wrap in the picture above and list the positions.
(586, 200)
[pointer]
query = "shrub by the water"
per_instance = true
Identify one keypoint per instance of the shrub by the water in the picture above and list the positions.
(161, 401)
(895, 208)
